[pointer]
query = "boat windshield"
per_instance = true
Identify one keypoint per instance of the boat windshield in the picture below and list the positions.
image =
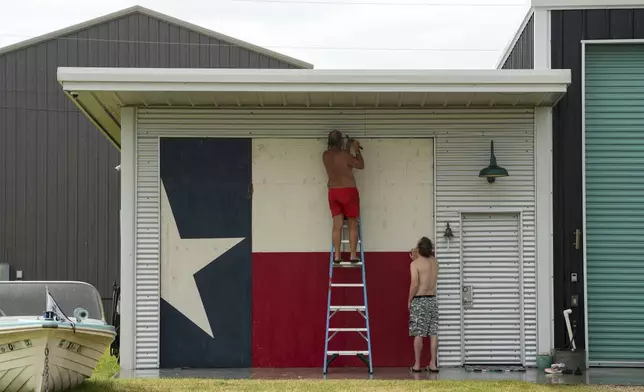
(23, 298)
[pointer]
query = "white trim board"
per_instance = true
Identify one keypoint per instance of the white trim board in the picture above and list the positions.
(586, 4)
(544, 228)
(160, 16)
(542, 47)
(128, 242)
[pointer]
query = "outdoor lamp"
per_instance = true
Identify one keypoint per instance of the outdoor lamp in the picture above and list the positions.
(492, 171)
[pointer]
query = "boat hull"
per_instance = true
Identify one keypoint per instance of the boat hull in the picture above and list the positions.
(69, 356)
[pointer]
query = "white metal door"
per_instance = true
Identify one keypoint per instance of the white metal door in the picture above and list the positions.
(492, 288)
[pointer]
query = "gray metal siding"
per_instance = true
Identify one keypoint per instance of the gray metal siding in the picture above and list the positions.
(568, 29)
(59, 192)
(522, 54)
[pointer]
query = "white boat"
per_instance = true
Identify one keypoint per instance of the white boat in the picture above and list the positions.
(41, 348)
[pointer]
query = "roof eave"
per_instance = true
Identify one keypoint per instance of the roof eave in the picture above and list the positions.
(184, 78)
(101, 93)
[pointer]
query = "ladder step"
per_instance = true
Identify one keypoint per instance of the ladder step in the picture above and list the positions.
(347, 241)
(347, 308)
(347, 285)
(348, 329)
(347, 352)
(347, 264)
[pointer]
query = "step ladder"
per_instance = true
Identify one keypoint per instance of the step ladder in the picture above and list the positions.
(363, 310)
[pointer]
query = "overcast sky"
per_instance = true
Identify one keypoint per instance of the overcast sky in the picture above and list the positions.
(406, 35)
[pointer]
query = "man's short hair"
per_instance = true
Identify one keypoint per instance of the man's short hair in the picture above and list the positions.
(425, 247)
(335, 139)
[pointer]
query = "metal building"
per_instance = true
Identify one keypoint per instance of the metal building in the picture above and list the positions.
(59, 192)
(597, 147)
(226, 229)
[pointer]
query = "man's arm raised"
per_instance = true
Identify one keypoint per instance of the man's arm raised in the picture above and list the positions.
(357, 161)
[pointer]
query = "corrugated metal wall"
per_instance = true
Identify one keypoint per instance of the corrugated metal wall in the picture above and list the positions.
(462, 149)
(614, 143)
(459, 157)
(522, 54)
(568, 29)
(59, 192)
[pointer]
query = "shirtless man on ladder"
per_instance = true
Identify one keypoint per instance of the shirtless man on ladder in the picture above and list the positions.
(344, 200)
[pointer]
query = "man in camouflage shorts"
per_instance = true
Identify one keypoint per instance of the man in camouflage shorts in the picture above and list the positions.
(423, 307)
(423, 316)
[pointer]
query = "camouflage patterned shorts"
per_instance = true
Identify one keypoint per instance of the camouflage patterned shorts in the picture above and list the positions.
(423, 317)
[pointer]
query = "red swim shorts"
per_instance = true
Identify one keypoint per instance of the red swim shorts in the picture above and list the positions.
(344, 201)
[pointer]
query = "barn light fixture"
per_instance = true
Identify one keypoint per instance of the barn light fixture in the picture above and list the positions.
(448, 234)
(492, 171)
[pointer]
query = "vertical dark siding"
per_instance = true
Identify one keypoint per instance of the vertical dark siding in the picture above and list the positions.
(59, 192)
(569, 28)
(522, 54)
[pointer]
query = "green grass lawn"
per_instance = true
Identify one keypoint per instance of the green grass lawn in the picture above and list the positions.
(101, 381)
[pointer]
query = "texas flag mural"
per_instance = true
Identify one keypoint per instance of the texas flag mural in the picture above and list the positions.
(245, 250)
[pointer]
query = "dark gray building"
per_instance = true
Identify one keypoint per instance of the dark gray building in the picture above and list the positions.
(59, 190)
(597, 147)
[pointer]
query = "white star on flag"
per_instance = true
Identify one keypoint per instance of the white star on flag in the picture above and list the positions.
(181, 259)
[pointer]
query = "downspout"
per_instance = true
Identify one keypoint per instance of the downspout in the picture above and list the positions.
(566, 314)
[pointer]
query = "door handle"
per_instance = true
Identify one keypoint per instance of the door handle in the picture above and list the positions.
(251, 191)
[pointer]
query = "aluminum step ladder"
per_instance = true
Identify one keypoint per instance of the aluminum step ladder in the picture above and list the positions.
(363, 310)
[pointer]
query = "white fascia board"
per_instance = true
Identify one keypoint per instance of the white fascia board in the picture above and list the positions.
(586, 4)
(515, 39)
(209, 80)
(321, 88)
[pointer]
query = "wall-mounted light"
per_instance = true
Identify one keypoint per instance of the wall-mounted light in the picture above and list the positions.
(492, 171)
(448, 234)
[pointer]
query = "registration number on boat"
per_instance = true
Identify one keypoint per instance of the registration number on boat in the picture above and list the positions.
(71, 346)
(13, 346)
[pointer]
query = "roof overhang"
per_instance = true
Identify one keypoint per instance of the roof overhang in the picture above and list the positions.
(101, 92)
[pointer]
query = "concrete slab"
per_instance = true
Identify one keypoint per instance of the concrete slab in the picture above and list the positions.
(614, 376)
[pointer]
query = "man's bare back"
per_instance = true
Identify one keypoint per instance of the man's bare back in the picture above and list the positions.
(339, 165)
(427, 272)
(423, 305)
